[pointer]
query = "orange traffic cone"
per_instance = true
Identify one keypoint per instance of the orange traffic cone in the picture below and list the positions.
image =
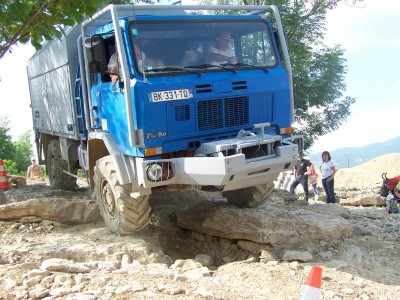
(4, 184)
(312, 289)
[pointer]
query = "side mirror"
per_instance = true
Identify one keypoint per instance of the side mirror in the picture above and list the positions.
(92, 41)
(96, 54)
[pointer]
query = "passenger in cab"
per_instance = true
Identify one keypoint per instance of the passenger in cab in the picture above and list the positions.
(114, 64)
(221, 53)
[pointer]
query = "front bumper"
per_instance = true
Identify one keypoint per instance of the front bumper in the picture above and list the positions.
(215, 165)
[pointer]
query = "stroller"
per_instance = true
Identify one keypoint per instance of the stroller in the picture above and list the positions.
(388, 185)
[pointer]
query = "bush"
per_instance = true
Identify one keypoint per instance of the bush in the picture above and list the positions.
(11, 167)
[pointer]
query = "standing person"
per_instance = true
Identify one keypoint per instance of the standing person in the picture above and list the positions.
(288, 179)
(328, 171)
(301, 170)
(312, 179)
(279, 180)
(34, 170)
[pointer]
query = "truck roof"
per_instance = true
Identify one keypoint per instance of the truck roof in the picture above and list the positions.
(104, 16)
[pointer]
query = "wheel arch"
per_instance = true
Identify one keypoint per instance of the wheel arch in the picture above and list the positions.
(69, 148)
(42, 143)
(101, 145)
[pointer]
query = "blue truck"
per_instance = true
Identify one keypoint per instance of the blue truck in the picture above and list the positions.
(174, 117)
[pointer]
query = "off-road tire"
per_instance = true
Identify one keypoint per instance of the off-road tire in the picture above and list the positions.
(122, 214)
(55, 166)
(251, 196)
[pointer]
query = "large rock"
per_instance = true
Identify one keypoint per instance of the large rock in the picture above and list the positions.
(270, 223)
(16, 180)
(61, 210)
(360, 196)
(364, 200)
(330, 209)
(41, 191)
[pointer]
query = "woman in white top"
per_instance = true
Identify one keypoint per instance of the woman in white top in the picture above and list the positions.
(328, 171)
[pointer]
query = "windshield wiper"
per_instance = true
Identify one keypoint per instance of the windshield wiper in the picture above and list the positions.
(265, 69)
(174, 69)
(206, 66)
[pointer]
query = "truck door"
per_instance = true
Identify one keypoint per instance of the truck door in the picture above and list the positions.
(108, 100)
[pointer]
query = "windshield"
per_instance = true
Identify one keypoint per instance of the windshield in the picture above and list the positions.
(201, 46)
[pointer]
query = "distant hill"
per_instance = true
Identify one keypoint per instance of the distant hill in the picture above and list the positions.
(369, 173)
(354, 156)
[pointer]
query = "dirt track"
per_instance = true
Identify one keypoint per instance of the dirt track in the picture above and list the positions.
(45, 259)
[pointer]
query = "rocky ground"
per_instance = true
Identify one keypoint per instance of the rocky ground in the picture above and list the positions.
(198, 248)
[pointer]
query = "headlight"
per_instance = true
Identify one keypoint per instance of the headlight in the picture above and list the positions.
(154, 172)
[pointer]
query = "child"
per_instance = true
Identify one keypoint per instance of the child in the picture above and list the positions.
(391, 204)
(392, 199)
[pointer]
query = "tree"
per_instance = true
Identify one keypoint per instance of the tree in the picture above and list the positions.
(10, 167)
(318, 70)
(6, 145)
(16, 156)
(35, 21)
(23, 152)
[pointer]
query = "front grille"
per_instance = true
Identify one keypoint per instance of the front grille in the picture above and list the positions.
(236, 111)
(209, 114)
(222, 113)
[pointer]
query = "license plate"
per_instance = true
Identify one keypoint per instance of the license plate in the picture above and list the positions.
(171, 95)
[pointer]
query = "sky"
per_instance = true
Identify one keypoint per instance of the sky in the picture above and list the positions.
(14, 90)
(370, 38)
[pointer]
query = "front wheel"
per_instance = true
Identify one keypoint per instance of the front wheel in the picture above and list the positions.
(250, 197)
(122, 214)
